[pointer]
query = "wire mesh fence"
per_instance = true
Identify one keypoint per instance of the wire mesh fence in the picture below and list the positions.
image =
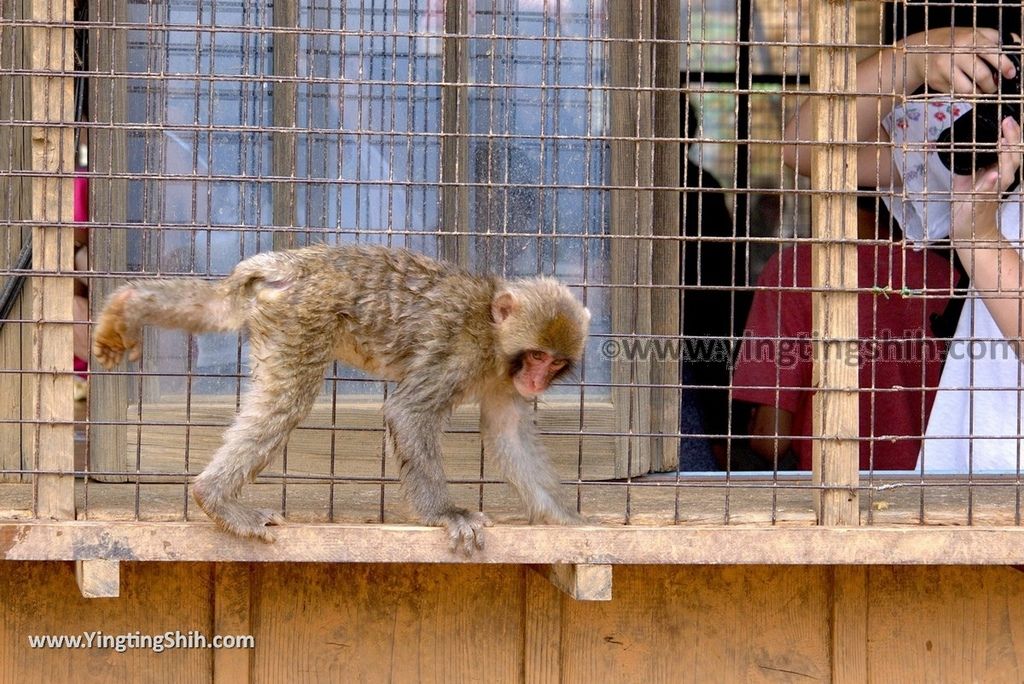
(794, 297)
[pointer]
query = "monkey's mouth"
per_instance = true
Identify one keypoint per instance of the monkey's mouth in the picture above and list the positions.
(525, 389)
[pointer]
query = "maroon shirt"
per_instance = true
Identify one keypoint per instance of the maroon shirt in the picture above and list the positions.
(896, 357)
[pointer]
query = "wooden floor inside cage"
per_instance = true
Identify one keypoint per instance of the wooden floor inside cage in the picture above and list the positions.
(651, 501)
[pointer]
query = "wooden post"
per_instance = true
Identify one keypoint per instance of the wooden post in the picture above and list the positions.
(455, 127)
(286, 15)
(51, 49)
(108, 247)
(665, 301)
(15, 195)
(834, 261)
(630, 112)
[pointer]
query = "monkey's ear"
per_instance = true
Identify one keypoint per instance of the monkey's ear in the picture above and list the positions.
(504, 305)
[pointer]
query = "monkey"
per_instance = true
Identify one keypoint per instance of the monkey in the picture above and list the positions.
(444, 336)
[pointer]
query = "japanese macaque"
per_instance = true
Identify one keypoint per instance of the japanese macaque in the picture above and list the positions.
(443, 335)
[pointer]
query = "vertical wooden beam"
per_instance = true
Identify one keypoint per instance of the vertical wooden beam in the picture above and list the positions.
(630, 112)
(283, 159)
(542, 629)
(665, 396)
(454, 213)
(108, 204)
(51, 49)
(834, 261)
(15, 205)
(849, 624)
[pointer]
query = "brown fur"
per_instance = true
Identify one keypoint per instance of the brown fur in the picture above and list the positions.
(444, 335)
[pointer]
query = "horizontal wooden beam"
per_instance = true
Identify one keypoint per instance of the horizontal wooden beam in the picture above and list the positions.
(350, 543)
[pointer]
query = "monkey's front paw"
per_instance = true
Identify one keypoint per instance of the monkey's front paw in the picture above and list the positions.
(113, 336)
(465, 530)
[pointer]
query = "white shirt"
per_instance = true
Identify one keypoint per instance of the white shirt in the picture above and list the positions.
(977, 420)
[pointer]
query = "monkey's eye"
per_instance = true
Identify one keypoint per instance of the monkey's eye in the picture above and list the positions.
(538, 355)
(559, 364)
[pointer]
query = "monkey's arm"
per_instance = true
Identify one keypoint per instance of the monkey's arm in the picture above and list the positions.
(991, 260)
(414, 416)
(510, 437)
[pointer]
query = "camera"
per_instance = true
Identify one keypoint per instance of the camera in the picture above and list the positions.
(970, 143)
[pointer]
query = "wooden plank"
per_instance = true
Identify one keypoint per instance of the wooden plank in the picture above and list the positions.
(354, 543)
(580, 581)
(836, 453)
(98, 578)
(697, 503)
(13, 354)
(370, 623)
(51, 49)
(42, 599)
(28, 380)
(232, 615)
(542, 630)
(849, 624)
(945, 624)
(161, 438)
(694, 625)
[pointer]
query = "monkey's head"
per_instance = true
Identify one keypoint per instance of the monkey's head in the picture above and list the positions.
(541, 329)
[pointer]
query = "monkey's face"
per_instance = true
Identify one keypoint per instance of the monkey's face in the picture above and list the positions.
(540, 332)
(536, 371)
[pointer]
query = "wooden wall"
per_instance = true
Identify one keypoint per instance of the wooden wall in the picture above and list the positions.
(502, 623)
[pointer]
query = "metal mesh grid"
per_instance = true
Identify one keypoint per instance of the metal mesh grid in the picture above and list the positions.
(634, 151)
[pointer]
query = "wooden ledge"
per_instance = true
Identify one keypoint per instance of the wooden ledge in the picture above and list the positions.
(350, 543)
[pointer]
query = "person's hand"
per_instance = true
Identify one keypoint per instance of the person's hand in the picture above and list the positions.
(976, 198)
(957, 60)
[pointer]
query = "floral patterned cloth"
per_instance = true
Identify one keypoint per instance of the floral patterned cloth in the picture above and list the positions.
(921, 206)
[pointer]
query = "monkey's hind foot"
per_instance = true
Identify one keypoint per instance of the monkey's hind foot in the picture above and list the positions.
(465, 530)
(239, 519)
(113, 336)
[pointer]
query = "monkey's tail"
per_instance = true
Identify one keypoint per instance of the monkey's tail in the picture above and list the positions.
(190, 304)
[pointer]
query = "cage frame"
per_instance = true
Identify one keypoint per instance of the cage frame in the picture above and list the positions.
(838, 538)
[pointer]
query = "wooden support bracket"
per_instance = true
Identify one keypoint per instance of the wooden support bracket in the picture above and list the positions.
(98, 578)
(581, 581)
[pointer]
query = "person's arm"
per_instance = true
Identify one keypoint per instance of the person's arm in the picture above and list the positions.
(771, 431)
(989, 259)
(948, 60)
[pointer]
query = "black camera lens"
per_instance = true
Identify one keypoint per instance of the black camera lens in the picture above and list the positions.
(971, 142)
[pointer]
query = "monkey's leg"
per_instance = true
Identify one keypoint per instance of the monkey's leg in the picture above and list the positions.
(189, 304)
(282, 394)
(509, 435)
(414, 437)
